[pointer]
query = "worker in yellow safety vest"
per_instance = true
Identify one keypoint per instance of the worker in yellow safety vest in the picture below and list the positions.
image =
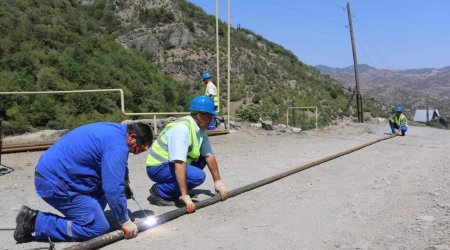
(211, 92)
(398, 122)
(176, 159)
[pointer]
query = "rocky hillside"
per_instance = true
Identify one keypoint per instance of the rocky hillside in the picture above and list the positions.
(408, 87)
(179, 38)
(156, 51)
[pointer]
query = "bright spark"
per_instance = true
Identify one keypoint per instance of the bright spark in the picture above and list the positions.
(151, 221)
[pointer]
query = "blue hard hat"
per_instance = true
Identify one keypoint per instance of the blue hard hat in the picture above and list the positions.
(399, 109)
(203, 104)
(206, 76)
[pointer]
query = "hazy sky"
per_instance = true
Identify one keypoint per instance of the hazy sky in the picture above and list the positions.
(392, 34)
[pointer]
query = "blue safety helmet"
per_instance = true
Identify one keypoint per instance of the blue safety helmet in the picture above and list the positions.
(399, 109)
(202, 104)
(206, 76)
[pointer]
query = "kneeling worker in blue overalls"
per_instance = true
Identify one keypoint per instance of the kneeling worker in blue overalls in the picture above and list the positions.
(177, 158)
(398, 122)
(81, 173)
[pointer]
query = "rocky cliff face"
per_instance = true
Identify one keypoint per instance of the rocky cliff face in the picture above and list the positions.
(179, 39)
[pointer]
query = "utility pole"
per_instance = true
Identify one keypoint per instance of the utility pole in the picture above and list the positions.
(1, 136)
(355, 66)
(428, 118)
(293, 115)
(217, 56)
(228, 62)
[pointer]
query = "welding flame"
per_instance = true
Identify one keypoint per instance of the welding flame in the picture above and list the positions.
(151, 221)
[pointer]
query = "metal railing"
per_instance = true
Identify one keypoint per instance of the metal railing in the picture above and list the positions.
(122, 101)
(307, 107)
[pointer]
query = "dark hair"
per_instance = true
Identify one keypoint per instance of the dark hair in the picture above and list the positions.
(143, 131)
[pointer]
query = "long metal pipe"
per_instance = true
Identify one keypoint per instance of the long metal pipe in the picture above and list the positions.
(118, 234)
(24, 147)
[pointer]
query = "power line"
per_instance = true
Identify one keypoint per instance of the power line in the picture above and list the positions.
(302, 12)
(333, 4)
(378, 54)
(365, 54)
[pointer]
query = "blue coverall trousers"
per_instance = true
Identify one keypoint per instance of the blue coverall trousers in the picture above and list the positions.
(166, 181)
(394, 127)
(84, 215)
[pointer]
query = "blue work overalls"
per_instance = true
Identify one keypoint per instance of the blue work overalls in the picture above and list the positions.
(78, 176)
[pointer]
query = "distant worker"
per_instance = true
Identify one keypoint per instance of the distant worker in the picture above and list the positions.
(81, 173)
(398, 122)
(211, 92)
(177, 158)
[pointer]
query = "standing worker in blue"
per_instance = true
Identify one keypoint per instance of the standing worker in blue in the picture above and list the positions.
(211, 92)
(81, 173)
(177, 158)
(398, 122)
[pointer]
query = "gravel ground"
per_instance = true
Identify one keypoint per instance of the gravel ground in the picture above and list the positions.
(391, 195)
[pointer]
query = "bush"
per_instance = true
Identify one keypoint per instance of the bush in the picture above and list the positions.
(156, 15)
(77, 52)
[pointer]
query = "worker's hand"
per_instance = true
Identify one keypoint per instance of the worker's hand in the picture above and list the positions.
(220, 189)
(128, 190)
(129, 229)
(190, 205)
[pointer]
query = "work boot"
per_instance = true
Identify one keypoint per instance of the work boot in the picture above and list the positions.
(26, 219)
(158, 200)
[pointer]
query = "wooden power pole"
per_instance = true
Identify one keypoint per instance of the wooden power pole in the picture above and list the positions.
(428, 118)
(355, 66)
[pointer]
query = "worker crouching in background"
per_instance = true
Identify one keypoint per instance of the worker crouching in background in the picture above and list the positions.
(211, 92)
(81, 173)
(398, 122)
(177, 158)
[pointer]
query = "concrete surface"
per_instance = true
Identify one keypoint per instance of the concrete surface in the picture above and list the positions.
(391, 195)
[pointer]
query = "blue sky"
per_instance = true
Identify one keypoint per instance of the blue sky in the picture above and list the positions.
(389, 34)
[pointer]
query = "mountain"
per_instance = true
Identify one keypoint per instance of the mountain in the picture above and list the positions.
(156, 51)
(407, 87)
(181, 43)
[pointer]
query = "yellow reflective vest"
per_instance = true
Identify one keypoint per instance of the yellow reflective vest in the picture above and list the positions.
(159, 154)
(399, 120)
(215, 97)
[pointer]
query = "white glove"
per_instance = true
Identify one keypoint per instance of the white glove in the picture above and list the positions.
(220, 189)
(129, 229)
(190, 205)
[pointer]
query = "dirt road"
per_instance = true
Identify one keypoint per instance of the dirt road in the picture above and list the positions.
(391, 195)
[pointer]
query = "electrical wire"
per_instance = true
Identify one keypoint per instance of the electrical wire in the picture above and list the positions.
(333, 4)
(303, 12)
(348, 104)
(371, 62)
(366, 36)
